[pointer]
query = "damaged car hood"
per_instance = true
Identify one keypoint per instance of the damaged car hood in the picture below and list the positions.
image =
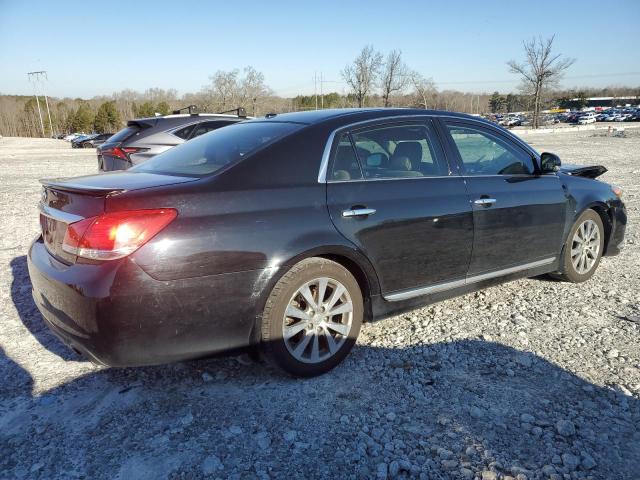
(583, 171)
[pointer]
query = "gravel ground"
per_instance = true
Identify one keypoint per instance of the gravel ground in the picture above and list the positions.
(533, 379)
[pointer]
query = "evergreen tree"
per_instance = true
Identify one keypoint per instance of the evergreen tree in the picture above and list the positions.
(147, 109)
(496, 102)
(82, 119)
(163, 108)
(107, 118)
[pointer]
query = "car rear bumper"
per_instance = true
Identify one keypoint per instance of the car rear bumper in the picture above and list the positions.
(108, 163)
(117, 315)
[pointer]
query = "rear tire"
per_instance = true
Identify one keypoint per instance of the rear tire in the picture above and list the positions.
(312, 318)
(583, 249)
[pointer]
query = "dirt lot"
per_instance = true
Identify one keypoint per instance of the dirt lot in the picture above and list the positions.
(534, 379)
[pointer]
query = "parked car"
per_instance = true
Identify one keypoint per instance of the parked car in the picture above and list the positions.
(77, 142)
(286, 233)
(93, 141)
(587, 118)
(144, 138)
(72, 136)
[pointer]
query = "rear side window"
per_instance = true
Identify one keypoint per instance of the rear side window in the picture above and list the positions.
(206, 127)
(345, 163)
(184, 132)
(399, 151)
(484, 153)
(125, 133)
(208, 153)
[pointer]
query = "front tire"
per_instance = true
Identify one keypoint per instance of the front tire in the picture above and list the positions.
(312, 318)
(583, 249)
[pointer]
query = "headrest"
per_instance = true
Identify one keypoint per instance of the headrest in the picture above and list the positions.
(401, 163)
(341, 175)
(413, 150)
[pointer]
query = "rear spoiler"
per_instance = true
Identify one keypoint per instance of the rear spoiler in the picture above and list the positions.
(142, 123)
(582, 171)
(68, 185)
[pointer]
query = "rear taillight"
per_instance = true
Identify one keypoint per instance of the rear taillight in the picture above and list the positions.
(122, 152)
(115, 235)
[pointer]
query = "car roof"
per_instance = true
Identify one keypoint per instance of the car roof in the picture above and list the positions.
(311, 117)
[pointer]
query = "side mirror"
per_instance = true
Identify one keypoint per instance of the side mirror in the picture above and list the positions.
(549, 162)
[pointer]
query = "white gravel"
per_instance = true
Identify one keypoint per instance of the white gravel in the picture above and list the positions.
(533, 379)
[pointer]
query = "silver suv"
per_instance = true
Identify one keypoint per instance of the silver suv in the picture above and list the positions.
(144, 138)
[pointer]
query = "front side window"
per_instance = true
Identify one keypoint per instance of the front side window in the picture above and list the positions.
(483, 153)
(210, 152)
(399, 151)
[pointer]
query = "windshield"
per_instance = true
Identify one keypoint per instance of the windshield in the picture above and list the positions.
(210, 152)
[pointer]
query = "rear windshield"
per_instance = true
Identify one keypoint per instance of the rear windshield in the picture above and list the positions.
(210, 152)
(123, 134)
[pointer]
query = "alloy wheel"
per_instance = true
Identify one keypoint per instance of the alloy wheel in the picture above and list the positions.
(317, 320)
(585, 247)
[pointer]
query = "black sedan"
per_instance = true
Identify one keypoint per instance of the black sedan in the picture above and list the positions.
(92, 141)
(284, 234)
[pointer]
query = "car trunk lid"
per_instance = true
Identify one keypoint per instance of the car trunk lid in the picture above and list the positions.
(66, 201)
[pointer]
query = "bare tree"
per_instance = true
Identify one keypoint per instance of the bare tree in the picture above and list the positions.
(541, 70)
(252, 89)
(362, 73)
(231, 89)
(394, 76)
(425, 90)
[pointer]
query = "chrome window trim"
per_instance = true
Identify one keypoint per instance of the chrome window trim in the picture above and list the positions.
(518, 175)
(59, 215)
(326, 155)
(391, 179)
(322, 174)
(440, 287)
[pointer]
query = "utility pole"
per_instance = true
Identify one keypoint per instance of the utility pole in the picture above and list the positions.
(46, 102)
(321, 94)
(36, 78)
(315, 87)
(33, 76)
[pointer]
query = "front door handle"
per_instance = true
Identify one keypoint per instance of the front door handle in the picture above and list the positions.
(485, 202)
(358, 212)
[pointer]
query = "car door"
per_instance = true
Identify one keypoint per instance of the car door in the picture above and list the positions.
(390, 191)
(518, 213)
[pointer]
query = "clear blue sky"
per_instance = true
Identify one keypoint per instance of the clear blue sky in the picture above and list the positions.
(97, 48)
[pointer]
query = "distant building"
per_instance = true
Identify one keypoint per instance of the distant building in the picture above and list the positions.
(605, 102)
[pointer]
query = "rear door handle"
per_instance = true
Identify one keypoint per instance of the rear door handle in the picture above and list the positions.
(358, 212)
(485, 201)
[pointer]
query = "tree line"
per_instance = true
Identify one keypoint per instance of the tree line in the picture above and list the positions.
(373, 79)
